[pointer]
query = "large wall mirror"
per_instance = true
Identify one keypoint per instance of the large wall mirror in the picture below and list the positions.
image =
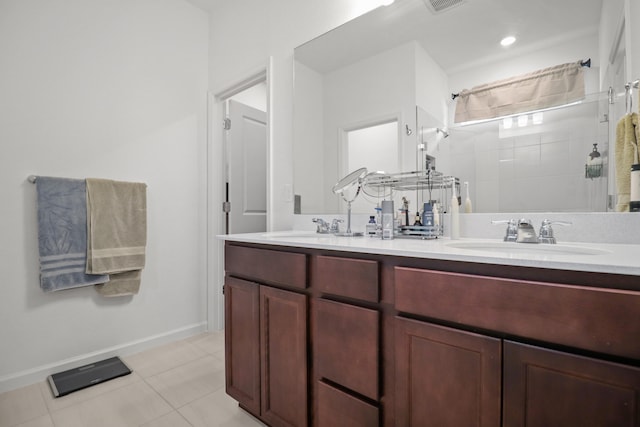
(370, 92)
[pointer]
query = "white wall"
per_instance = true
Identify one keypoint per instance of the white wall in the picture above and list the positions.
(113, 89)
(250, 34)
(308, 148)
(368, 92)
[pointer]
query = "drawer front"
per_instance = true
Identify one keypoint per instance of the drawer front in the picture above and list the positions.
(337, 408)
(348, 277)
(345, 345)
(596, 319)
(267, 266)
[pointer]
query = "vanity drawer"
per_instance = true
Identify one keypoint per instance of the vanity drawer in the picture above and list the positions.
(267, 266)
(337, 408)
(346, 342)
(348, 277)
(597, 319)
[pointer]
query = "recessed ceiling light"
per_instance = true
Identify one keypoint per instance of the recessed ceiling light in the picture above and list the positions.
(507, 41)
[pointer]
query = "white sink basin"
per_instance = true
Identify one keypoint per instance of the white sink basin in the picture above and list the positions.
(527, 248)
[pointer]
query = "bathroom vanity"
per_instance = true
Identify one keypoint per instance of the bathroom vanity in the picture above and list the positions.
(327, 331)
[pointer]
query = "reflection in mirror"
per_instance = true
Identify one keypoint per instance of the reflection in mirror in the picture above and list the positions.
(535, 162)
(400, 64)
(349, 188)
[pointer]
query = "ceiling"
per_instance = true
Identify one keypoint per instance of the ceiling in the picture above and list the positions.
(458, 37)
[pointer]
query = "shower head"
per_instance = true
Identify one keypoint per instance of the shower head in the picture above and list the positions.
(444, 133)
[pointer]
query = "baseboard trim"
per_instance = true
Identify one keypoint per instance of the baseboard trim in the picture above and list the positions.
(40, 373)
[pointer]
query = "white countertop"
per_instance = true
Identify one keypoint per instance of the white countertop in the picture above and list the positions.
(590, 257)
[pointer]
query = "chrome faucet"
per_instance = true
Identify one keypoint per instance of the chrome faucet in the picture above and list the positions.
(546, 232)
(526, 232)
(322, 226)
(520, 231)
(335, 226)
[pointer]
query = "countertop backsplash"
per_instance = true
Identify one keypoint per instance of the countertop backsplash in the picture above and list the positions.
(592, 227)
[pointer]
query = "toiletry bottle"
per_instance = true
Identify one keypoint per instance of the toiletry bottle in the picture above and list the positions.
(467, 202)
(417, 220)
(371, 226)
(387, 219)
(378, 221)
(427, 215)
(455, 217)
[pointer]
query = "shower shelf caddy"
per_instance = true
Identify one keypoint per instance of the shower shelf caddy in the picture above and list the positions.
(420, 181)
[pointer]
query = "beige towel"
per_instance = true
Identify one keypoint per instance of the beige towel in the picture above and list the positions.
(116, 234)
(626, 155)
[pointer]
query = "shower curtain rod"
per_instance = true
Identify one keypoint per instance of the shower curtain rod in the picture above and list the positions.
(584, 63)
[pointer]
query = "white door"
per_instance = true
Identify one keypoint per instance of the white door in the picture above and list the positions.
(246, 142)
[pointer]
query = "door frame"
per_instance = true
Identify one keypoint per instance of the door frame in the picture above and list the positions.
(216, 164)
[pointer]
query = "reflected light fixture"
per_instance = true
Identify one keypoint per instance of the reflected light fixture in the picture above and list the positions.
(508, 41)
(537, 118)
(523, 120)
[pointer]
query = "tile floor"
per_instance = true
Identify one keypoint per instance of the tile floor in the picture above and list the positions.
(176, 385)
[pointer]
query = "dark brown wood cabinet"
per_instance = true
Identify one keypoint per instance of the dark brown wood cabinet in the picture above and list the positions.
(446, 377)
(266, 337)
(242, 342)
(546, 388)
(346, 342)
(397, 342)
(338, 408)
(283, 344)
(346, 346)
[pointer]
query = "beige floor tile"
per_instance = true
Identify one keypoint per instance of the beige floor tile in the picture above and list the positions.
(163, 358)
(217, 410)
(190, 381)
(43, 421)
(211, 342)
(21, 405)
(55, 404)
(172, 419)
(130, 405)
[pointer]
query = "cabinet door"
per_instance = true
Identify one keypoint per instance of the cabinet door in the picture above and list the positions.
(242, 342)
(546, 388)
(446, 377)
(283, 337)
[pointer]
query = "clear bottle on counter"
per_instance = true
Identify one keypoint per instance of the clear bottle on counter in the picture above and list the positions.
(387, 219)
(372, 226)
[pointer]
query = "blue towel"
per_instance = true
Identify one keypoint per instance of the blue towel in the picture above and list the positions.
(62, 234)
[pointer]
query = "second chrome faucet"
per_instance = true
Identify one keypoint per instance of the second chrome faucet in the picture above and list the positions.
(522, 231)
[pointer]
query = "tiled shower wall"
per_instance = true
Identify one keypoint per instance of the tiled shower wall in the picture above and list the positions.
(538, 167)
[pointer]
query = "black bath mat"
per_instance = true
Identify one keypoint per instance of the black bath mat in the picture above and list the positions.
(85, 376)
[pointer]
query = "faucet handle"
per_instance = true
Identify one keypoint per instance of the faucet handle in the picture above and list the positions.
(335, 225)
(511, 234)
(546, 232)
